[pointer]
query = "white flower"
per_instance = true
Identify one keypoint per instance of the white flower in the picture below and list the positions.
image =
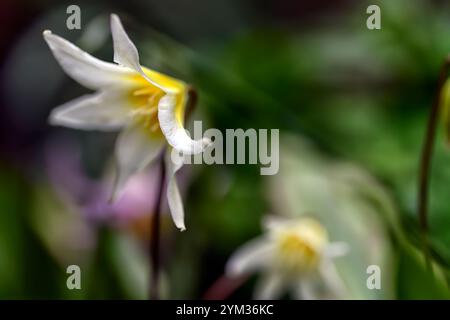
(294, 254)
(146, 105)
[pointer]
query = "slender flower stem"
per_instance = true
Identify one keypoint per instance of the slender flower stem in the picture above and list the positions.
(426, 157)
(155, 233)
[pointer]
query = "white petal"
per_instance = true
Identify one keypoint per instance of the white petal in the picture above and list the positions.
(173, 194)
(125, 52)
(253, 255)
(100, 111)
(135, 149)
(174, 132)
(270, 287)
(336, 249)
(84, 68)
(332, 279)
(305, 290)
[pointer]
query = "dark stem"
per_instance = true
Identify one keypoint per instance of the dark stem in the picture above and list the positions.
(426, 157)
(155, 233)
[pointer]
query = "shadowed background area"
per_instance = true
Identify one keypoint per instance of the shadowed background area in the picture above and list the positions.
(351, 105)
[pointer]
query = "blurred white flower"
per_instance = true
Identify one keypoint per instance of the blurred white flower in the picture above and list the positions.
(148, 106)
(294, 254)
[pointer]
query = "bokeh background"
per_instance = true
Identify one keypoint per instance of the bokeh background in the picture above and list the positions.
(351, 105)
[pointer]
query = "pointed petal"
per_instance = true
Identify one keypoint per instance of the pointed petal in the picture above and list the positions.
(135, 149)
(270, 287)
(100, 111)
(252, 256)
(84, 68)
(173, 129)
(126, 53)
(173, 193)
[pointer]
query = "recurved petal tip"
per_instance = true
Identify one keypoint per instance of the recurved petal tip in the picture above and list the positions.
(114, 21)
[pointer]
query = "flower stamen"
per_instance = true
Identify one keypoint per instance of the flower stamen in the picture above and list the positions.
(143, 91)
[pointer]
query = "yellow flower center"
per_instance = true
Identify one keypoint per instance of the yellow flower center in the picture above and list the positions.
(145, 107)
(145, 97)
(300, 246)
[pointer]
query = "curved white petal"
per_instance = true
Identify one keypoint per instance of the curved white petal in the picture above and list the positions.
(99, 111)
(336, 249)
(270, 287)
(126, 53)
(254, 255)
(135, 149)
(84, 68)
(173, 194)
(174, 132)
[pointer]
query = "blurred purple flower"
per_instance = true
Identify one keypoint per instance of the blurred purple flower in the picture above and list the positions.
(62, 163)
(70, 213)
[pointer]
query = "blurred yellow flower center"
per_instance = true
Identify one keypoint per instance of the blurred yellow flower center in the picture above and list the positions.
(300, 246)
(145, 97)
